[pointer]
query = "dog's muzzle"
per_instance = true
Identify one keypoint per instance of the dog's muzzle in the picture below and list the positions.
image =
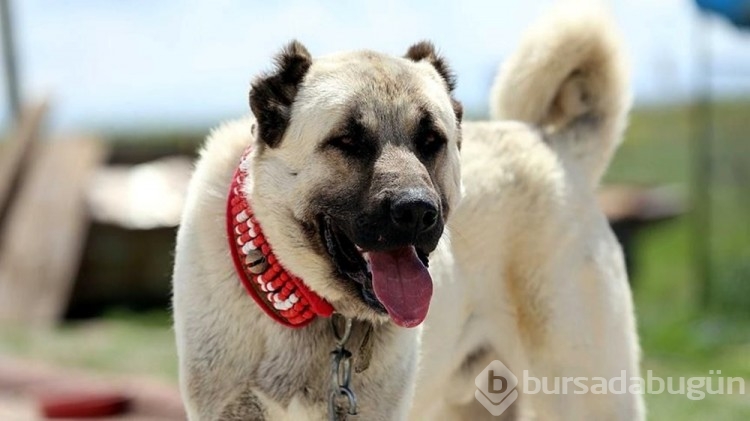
(384, 253)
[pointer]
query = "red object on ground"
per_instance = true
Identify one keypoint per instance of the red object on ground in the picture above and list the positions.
(82, 404)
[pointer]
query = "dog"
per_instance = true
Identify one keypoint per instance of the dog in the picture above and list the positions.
(356, 196)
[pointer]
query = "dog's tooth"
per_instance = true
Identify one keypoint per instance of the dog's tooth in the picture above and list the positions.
(242, 216)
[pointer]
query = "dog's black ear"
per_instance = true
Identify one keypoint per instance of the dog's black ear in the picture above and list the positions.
(425, 50)
(272, 94)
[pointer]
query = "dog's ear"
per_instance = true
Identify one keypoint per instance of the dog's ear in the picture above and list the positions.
(425, 50)
(272, 94)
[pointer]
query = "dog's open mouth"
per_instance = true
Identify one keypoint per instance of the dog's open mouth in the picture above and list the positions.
(395, 281)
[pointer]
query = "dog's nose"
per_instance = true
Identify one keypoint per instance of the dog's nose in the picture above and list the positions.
(414, 212)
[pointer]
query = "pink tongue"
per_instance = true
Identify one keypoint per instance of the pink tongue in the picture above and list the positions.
(402, 284)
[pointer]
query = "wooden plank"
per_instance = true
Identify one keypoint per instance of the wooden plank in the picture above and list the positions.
(623, 202)
(16, 149)
(45, 231)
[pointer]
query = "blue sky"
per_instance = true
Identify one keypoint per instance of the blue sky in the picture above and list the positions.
(167, 64)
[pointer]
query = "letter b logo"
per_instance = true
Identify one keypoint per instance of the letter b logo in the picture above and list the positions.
(492, 381)
(496, 388)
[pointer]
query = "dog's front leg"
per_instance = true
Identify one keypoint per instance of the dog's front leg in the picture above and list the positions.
(586, 365)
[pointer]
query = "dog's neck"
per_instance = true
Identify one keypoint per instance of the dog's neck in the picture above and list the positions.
(282, 295)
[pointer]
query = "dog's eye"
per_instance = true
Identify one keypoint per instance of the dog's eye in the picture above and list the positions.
(347, 144)
(342, 142)
(430, 143)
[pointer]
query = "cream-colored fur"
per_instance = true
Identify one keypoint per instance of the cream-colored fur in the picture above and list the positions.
(529, 272)
(533, 270)
(569, 66)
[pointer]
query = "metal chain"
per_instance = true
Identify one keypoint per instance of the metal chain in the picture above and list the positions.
(342, 400)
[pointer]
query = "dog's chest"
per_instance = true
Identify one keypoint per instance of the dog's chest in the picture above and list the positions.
(294, 382)
(296, 372)
(302, 373)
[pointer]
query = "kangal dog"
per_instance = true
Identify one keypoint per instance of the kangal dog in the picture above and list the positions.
(353, 176)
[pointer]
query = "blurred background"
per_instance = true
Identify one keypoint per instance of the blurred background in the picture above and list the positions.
(105, 102)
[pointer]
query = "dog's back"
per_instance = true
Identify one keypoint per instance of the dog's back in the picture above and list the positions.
(533, 276)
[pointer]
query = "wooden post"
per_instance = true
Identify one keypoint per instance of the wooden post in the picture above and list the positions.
(9, 59)
(15, 151)
(45, 231)
(701, 150)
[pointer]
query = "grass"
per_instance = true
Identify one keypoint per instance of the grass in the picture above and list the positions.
(123, 342)
(679, 337)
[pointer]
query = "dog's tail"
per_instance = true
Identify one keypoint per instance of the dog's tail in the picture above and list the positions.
(569, 78)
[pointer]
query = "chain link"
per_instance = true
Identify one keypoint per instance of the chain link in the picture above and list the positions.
(342, 400)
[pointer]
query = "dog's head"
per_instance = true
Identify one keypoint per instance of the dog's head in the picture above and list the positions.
(355, 172)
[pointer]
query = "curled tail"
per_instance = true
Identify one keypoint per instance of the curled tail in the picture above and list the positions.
(569, 78)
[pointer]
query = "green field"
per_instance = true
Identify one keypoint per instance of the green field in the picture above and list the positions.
(680, 337)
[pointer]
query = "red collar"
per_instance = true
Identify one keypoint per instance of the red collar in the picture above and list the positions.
(282, 295)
